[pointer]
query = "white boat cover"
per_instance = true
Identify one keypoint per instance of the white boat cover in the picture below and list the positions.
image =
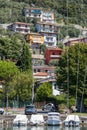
(73, 118)
(37, 118)
(21, 118)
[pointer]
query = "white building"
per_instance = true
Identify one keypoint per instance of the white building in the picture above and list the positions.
(50, 32)
(47, 16)
(33, 12)
(21, 27)
(38, 13)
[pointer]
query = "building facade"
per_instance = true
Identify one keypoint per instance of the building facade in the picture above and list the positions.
(20, 27)
(52, 54)
(73, 41)
(50, 32)
(35, 40)
(47, 16)
(38, 13)
(33, 12)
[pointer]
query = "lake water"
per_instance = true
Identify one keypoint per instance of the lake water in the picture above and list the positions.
(41, 128)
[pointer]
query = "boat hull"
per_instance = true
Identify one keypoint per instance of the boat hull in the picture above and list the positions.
(19, 123)
(72, 123)
(54, 122)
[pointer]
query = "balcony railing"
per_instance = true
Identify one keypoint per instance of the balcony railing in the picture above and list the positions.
(55, 56)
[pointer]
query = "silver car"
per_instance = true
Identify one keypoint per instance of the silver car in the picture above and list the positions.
(30, 109)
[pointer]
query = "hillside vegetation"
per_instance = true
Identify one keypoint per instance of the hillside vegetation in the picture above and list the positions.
(12, 10)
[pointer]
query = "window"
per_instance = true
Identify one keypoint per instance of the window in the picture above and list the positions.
(53, 53)
(47, 39)
(38, 70)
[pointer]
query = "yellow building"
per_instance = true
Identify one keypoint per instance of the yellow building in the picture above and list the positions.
(35, 38)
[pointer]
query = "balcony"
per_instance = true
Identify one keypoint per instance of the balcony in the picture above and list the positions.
(55, 56)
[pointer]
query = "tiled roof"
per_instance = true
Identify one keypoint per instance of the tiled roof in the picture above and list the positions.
(22, 23)
(30, 8)
(41, 74)
(45, 67)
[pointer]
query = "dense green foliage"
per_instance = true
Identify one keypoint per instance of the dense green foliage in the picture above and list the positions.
(8, 70)
(14, 83)
(12, 10)
(10, 48)
(72, 69)
(25, 61)
(43, 92)
(20, 83)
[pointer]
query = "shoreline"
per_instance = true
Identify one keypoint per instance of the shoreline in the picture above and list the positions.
(8, 119)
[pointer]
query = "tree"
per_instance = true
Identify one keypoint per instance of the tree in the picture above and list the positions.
(25, 62)
(10, 48)
(76, 58)
(7, 72)
(22, 84)
(42, 48)
(43, 92)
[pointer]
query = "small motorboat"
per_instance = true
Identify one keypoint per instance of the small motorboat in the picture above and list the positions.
(37, 119)
(54, 118)
(72, 120)
(20, 120)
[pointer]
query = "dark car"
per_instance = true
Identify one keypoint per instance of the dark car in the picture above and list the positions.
(30, 109)
(1, 111)
(49, 107)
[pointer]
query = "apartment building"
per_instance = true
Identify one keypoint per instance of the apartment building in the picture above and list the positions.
(47, 16)
(35, 40)
(52, 54)
(33, 12)
(38, 13)
(73, 41)
(20, 27)
(50, 32)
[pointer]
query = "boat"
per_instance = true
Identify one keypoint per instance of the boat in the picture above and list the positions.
(20, 120)
(54, 118)
(72, 120)
(37, 119)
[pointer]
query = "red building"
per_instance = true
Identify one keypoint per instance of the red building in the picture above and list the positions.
(53, 54)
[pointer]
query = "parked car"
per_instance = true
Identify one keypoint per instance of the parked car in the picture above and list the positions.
(30, 109)
(1, 111)
(49, 107)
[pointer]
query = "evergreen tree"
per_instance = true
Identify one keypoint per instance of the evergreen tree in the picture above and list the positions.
(25, 62)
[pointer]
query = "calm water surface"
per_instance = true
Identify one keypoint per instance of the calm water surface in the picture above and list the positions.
(41, 128)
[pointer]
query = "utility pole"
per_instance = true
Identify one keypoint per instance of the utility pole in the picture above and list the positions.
(33, 83)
